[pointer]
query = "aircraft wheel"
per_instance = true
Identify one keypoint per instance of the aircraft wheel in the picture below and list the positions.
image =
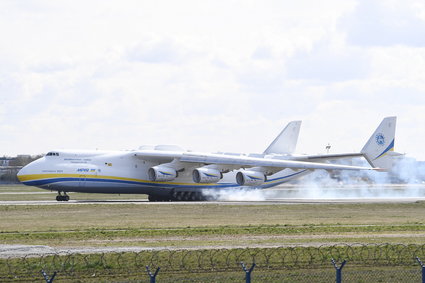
(162, 198)
(179, 196)
(196, 196)
(209, 198)
(199, 197)
(173, 197)
(62, 198)
(186, 196)
(152, 198)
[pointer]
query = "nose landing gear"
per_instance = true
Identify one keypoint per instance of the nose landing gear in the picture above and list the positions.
(61, 197)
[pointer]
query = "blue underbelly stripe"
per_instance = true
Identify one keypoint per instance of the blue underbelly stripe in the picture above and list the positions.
(98, 180)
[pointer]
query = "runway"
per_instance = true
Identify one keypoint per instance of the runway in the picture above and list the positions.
(267, 202)
(281, 195)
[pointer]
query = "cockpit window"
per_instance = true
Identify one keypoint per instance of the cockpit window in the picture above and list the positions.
(52, 154)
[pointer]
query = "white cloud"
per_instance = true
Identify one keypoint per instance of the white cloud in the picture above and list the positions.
(164, 51)
(325, 62)
(58, 65)
(206, 75)
(386, 23)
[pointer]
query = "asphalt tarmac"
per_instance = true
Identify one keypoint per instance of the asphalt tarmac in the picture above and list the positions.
(267, 202)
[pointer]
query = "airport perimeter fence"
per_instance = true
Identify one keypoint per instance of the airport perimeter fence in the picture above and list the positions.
(364, 263)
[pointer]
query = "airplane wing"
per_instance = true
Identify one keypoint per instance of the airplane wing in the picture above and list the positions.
(239, 161)
(246, 161)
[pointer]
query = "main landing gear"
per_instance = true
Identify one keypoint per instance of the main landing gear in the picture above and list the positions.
(61, 197)
(181, 196)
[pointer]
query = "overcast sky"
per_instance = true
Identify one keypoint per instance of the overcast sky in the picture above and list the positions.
(210, 75)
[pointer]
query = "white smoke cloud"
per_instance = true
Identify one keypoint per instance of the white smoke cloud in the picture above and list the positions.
(243, 194)
(406, 180)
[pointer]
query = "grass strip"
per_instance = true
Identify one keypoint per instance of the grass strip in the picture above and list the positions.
(82, 235)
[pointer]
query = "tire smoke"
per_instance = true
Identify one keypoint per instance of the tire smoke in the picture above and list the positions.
(405, 180)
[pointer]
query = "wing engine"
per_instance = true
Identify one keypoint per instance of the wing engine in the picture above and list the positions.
(206, 175)
(162, 173)
(250, 178)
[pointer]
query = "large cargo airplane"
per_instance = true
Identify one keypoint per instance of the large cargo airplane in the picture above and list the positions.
(169, 173)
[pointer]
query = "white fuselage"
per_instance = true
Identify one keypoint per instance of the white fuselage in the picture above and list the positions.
(120, 172)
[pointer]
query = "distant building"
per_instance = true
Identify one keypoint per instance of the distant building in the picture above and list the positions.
(5, 161)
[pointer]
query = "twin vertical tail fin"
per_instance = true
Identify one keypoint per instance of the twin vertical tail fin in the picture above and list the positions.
(379, 149)
(286, 141)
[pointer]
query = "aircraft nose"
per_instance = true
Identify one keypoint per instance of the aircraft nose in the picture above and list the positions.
(22, 172)
(25, 172)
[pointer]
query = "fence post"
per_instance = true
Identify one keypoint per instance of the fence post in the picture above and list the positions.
(423, 269)
(46, 277)
(247, 272)
(338, 270)
(152, 276)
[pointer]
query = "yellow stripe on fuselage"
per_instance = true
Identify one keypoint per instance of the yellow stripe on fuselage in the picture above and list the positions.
(36, 177)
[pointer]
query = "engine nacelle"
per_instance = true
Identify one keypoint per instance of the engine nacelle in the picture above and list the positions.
(161, 173)
(206, 175)
(250, 178)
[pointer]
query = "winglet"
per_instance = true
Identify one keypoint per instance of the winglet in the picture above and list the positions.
(286, 141)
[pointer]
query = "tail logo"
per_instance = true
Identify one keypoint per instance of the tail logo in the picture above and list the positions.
(380, 139)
